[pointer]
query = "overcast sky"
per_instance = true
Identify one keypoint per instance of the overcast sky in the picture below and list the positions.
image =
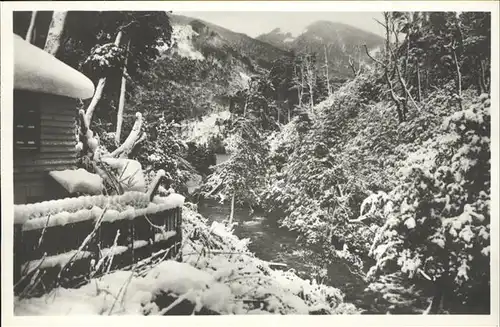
(254, 23)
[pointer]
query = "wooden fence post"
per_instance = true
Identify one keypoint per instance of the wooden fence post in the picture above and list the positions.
(132, 240)
(178, 231)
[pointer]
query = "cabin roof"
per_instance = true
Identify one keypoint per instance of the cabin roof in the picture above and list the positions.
(38, 71)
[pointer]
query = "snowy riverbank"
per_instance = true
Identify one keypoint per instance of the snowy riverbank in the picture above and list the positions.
(218, 273)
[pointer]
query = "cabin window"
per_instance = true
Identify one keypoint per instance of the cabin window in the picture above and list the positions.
(27, 120)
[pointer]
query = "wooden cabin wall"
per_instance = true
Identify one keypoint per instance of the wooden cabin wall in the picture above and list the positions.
(57, 152)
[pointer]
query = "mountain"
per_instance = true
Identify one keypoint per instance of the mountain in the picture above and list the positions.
(214, 36)
(203, 69)
(340, 40)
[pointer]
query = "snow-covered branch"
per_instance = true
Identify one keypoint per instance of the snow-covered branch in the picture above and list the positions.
(135, 136)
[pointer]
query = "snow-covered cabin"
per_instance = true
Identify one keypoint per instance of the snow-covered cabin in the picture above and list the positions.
(45, 115)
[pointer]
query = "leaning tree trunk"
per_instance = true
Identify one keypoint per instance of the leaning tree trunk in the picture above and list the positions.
(29, 33)
(100, 87)
(55, 33)
(121, 104)
(135, 137)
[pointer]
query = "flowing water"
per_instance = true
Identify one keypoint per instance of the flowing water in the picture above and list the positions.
(271, 243)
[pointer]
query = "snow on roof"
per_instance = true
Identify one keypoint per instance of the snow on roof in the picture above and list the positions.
(38, 71)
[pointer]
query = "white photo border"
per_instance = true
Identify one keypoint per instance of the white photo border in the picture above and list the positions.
(7, 8)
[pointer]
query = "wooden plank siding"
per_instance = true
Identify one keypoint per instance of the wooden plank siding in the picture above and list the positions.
(56, 152)
(137, 235)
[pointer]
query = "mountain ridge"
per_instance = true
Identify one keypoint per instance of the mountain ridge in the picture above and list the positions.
(342, 41)
(262, 52)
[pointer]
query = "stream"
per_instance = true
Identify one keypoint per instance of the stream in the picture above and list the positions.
(271, 243)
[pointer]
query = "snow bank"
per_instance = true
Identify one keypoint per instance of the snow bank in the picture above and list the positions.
(218, 273)
(99, 295)
(130, 173)
(228, 259)
(78, 181)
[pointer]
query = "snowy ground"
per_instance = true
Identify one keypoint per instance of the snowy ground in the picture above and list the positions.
(218, 273)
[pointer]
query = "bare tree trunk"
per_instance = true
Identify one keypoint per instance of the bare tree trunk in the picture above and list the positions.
(419, 85)
(426, 89)
(387, 37)
(403, 82)
(482, 78)
(406, 73)
(311, 95)
(100, 87)
(351, 64)
(95, 99)
(245, 107)
(327, 75)
(231, 215)
(480, 88)
(121, 103)
(459, 76)
(310, 80)
(29, 34)
(301, 83)
(55, 33)
(400, 106)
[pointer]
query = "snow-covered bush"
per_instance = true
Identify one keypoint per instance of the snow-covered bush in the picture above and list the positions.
(163, 149)
(243, 174)
(323, 167)
(104, 58)
(438, 216)
(320, 176)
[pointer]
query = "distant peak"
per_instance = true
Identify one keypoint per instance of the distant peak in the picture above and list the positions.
(279, 31)
(326, 22)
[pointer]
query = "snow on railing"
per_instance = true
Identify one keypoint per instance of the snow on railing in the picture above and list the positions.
(69, 234)
(64, 211)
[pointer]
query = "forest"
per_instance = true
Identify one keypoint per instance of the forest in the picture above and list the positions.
(384, 168)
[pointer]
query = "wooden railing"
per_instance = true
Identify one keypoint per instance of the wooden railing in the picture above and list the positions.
(65, 254)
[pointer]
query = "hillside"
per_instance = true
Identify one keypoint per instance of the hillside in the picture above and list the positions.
(259, 51)
(341, 41)
(197, 75)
